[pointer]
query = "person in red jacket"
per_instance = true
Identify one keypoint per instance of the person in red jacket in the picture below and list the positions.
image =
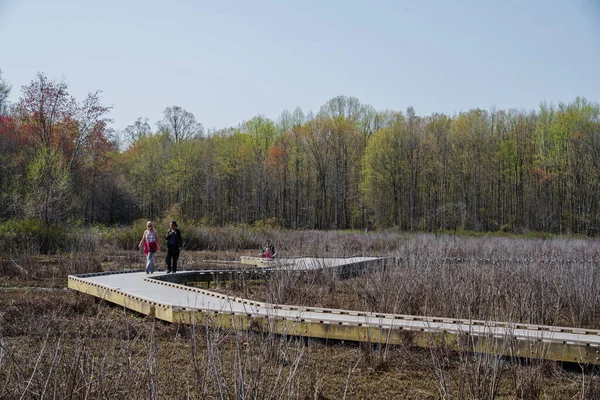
(151, 245)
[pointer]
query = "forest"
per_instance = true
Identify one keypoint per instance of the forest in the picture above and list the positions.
(347, 166)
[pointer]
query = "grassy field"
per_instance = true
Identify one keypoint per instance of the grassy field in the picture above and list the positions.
(55, 343)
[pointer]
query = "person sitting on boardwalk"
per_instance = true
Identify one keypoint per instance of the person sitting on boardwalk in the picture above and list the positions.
(268, 250)
(150, 243)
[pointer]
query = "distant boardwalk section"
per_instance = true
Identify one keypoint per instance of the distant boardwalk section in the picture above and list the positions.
(166, 297)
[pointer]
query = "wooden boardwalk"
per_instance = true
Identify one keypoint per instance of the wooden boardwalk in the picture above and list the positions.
(167, 298)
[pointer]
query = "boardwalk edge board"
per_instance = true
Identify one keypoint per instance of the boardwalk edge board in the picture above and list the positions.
(508, 339)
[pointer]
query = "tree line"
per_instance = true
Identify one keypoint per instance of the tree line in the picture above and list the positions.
(347, 166)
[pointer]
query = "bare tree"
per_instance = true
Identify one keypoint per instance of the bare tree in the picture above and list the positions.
(4, 92)
(180, 124)
(91, 115)
(345, 107)
(138, 130)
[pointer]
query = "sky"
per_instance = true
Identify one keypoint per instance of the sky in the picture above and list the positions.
(228, 61)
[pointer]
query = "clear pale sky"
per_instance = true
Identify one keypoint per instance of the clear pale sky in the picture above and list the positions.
(227, 61)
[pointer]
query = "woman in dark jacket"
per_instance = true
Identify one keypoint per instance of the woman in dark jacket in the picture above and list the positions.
(174, 244)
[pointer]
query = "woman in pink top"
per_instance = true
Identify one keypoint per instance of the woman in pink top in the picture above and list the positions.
(151, 244)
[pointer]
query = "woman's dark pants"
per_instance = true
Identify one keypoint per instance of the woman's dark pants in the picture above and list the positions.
(172, 254)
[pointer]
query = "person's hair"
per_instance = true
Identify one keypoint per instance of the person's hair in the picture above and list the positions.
(174, 223)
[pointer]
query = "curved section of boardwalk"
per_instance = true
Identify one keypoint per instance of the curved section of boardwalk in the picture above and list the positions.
(160, 294)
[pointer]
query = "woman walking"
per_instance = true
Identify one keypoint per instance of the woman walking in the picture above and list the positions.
(151, 244)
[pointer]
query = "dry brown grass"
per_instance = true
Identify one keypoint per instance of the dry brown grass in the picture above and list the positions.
(59, 344)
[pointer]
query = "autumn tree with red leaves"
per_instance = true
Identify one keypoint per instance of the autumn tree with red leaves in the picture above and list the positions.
(46, 111)
(49, 113)
(73, 138)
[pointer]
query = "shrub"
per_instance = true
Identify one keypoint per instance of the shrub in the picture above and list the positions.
(18, 235)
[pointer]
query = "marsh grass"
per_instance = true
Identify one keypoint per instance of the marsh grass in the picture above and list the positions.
(60, 344)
